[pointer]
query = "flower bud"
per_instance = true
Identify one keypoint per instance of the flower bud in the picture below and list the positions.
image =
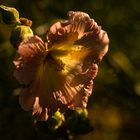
(9, 15)
(77, 113)
(82, 113)
(77, 121)
(20, 33)
(56, 121)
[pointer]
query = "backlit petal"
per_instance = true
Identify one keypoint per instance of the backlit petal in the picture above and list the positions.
(30, 55)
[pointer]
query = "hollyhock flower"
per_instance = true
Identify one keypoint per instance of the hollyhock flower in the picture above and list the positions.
(59, 74)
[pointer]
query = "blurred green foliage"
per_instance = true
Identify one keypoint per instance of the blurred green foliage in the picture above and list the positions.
(114, 107)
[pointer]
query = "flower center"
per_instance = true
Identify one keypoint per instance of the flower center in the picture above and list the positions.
(56, 63)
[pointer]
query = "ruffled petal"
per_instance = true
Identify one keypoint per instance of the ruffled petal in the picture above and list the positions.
(69, 30)
(30, 55)
(79, 29)
(77, 88)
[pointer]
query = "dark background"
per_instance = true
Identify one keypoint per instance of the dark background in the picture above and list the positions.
(114, 107)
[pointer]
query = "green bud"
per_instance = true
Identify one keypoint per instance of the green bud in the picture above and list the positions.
(59, 117)
(83, 113)
(77, 121)
(77, 113)
(56, 121)
(9, 15)
(20, 33)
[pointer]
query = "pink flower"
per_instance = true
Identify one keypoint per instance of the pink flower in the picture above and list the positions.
(60, 74)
